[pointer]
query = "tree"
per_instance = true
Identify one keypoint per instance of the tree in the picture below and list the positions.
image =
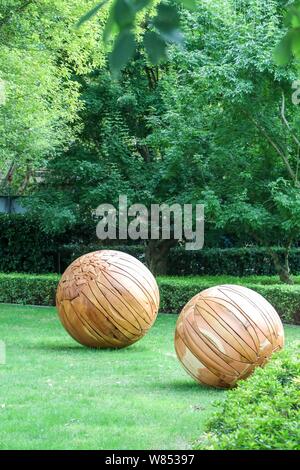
(231, 101)
(111, 156)
(214, 124)
(40, 52)
(122, 28)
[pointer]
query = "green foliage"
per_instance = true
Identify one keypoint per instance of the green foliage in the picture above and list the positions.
(121, 23)
(41, 52)
(155, 47)
(262, 413)
(25, 246)
(91, 13)
(228, 131)
(28, 289)
(232, 261)
(70, 252)
(194, 131)
(289, 46)
(175, 292)
(123, 50)
(109, 157)
(203, 128)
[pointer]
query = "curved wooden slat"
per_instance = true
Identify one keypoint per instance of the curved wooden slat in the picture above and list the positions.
(107, 299)
(224, 333)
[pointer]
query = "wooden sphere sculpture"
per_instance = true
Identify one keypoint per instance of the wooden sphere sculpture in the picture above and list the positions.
(224, 332)
(107, 299)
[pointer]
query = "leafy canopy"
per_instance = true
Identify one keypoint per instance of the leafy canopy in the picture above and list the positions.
(120, 27)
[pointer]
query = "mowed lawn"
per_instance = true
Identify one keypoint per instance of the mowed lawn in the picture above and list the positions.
(56, 394)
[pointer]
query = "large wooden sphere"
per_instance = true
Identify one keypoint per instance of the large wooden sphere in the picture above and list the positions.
(224, 332)
(107, 299)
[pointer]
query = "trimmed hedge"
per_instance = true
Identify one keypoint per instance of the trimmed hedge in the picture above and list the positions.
(209, 262)
(24, 247)
(28, 289)
(175, 292)
(69, 253)
(262, 413)
(231, 261)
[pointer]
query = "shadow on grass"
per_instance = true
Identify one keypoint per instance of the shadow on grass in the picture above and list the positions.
(76, 347)
(58, 347)
(186, 386)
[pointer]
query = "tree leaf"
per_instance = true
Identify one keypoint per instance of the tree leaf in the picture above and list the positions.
(175, 36)
(122, 52)
(124, 13)
(140, 4)
(283, 52)
(189, 4)
(111, 26)
(91, 13)
(167, 18)
(155, 47)
(295, 46)
(167, 22)
(292, 18)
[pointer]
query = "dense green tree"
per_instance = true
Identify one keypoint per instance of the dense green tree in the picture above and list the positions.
(41, 51)
(214, 125)
(228, 99)
(109, 157)
(153, 23)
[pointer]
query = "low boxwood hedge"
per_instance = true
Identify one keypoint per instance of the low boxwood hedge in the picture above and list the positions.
(174, 291)
(231, 261)
(24, 247)
(28, 289)
(262, 413)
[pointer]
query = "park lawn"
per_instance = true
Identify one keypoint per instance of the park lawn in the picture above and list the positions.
(56, 394)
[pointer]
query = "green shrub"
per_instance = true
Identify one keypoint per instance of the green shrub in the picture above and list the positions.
(70, 252)
(230, 261)
(175, 292)
(28, 288)
(24, 247)
(262, 413)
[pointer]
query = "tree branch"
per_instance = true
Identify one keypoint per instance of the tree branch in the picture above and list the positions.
(276, 147)
(26, 180)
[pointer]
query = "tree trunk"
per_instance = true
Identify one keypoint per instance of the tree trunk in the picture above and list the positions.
(156, 254)
(282, 268)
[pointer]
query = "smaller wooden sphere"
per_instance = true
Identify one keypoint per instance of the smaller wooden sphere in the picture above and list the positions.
(107, 299)
(224, 332)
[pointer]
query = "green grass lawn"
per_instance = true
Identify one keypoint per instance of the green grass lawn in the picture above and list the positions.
(56, 394)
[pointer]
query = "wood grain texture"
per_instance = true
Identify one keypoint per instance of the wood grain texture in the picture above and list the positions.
(107, 299)
(224, 332)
